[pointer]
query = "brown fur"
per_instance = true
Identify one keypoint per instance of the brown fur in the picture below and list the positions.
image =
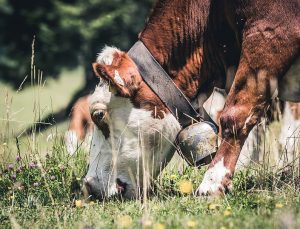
(197, 41)
(81, 120)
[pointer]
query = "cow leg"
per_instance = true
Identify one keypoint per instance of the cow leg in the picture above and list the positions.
(262, 62)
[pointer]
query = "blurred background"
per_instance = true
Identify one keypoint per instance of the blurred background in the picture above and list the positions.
(61, 39)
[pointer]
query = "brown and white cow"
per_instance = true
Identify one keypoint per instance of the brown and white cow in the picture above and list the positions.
(244, 46)
(81, 126)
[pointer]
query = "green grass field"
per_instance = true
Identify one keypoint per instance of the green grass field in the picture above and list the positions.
(40, 183)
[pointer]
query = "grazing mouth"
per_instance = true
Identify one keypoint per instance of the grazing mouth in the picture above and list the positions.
(92, 193)
(121, 187)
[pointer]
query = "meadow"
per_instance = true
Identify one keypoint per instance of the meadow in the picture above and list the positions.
(40, 184)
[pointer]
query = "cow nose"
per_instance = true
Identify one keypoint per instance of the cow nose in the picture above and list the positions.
(91, 187)
(121, 186)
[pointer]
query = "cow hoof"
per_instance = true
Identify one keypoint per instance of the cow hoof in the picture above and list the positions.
(216, 181)
(211, 190)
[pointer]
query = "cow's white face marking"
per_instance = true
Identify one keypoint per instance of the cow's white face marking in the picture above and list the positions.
(137, 149)
(138, 146)
(106, 55)
(118, 78)
(212, 181)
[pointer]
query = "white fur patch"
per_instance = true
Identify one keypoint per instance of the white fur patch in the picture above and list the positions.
(100, 98)
(138, 145)
(212, 181)
(106, 55)
(118, 78)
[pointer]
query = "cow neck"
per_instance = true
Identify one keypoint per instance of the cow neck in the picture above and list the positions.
(173, 35)
(161, 84)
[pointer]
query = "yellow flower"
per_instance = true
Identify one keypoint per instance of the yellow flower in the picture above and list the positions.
(92, 203)
(78, 203)
(227, 213)
(222, 227)
(124, 221)
(173, 176)
(279, 205)
(159, 226)
(191, 224)
(185, 186)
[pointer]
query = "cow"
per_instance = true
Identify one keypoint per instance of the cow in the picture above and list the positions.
(245, 47)
(81, 126)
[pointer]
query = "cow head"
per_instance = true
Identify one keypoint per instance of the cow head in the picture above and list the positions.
(131, 144)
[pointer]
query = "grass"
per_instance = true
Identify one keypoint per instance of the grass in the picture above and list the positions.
(40, 183)
(46, 194)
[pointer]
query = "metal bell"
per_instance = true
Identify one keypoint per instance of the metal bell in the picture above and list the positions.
(198, 143)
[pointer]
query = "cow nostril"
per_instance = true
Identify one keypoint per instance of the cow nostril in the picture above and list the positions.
(121, 186)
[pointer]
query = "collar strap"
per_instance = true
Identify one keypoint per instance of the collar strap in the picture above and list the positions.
(164, 87)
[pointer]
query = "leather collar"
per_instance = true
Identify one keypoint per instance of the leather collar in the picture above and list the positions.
(165, 88)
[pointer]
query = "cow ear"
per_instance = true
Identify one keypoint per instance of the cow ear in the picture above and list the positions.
(99, 70)
(109, 73)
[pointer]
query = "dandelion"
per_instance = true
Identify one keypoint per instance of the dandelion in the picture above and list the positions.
(173, 176)
(92, 203)
(4, 144)
(159, 226)
(191, 224)
(78, 203)
(222, 227)
(227, 212)
(185, 186)
(278, 205)
(124, 221)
